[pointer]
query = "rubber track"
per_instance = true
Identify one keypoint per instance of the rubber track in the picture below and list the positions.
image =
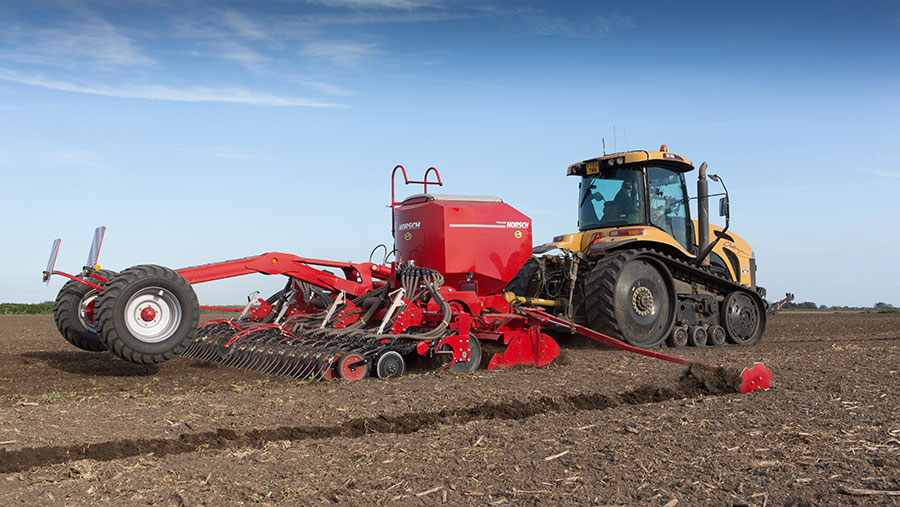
(604, 286)
(689, 386)
(600, 286)
(106, 310)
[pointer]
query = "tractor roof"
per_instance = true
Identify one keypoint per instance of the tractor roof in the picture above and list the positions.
(663, 158)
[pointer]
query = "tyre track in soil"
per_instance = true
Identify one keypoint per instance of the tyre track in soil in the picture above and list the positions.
(695, 382)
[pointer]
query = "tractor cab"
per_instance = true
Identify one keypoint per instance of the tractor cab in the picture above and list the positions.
(637, 188)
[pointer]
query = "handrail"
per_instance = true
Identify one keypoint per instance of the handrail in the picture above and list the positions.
(406, 181)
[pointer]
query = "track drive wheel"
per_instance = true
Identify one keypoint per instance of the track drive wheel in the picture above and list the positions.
(74, 313)
(743, 318)
(631, 297)
(148, 314)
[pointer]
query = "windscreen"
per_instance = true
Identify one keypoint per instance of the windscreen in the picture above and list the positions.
(610, 198)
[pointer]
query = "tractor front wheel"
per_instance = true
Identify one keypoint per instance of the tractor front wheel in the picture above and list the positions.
(148, 314)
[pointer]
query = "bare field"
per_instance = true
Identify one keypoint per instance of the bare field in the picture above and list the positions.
(599, 426)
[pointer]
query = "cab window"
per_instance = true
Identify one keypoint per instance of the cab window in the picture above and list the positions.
(668, 204)
(611, 198)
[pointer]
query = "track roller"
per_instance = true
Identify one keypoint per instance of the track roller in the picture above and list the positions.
(697, 336)
(715, 336)
(678, 338)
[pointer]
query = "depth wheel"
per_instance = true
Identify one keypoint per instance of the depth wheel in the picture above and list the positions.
(353, 366)
(390, 365)
(631, 298)
(474, 358)
(148, 314)
(74, 313)
(743, 318)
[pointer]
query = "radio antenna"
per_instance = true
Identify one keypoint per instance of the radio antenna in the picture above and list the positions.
(604, 144)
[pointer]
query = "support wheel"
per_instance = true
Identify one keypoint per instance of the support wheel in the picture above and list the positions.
(390, 365)
(148, 314)
(716, 336)
(353, 366)
(678, 338)
(630, 296)
(697, 336)
(474, 357)
(74, 313)
(743, 318)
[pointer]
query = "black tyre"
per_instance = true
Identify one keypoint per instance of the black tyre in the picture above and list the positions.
(148, 314)
(631, 297)
(743, 318)
(74, 313)
(525, 283)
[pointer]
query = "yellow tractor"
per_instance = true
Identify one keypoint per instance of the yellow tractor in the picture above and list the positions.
(640, 269)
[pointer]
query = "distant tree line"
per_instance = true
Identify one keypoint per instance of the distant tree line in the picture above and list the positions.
(809, 305)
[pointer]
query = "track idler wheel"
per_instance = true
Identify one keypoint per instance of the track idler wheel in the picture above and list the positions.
(353, 366)
(697, 336)
(743, 318)
(74, 313)
(390, 365)
(148, 314)
(632, 298)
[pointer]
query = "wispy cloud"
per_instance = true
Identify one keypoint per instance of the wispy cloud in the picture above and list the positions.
(345, 53)
(537, 21)
(93, 44)
(369, 4)
(234, 95)
(886, 173)
(323, 87)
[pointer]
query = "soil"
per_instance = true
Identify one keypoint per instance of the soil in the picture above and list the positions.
(598, 426)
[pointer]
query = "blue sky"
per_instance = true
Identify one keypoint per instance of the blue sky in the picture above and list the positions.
(203, 131)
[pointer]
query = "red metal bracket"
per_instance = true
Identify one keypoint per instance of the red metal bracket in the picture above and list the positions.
(407, 181)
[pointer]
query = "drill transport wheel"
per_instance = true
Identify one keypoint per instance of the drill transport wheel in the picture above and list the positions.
(148, 314)
(74, 313)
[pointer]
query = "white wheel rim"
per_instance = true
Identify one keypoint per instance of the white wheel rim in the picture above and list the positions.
(83, 305)
(152, 314)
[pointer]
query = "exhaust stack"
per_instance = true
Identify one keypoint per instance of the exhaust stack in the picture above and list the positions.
(703, 213)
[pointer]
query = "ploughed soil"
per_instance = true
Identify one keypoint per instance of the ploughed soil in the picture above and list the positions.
(598, 426)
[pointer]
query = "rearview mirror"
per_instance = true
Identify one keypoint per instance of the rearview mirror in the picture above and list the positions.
(723, 207)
